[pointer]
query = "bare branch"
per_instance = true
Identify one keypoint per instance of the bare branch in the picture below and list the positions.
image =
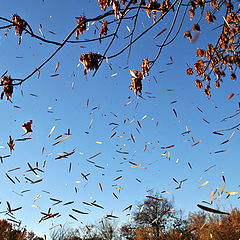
(144, 32)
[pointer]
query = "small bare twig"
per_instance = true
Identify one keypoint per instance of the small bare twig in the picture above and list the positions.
(144, 32)
(114, 36)
(133, 30)
(168, 34)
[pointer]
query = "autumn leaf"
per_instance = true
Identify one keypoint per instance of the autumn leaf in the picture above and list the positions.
(11, 144)
(211, 210)
(63, 139)
(27, 127)
(230, 96)
(57, 66)
(161, 32)
(204, 184)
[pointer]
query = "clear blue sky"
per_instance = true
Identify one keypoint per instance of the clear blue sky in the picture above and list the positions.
(95, 105)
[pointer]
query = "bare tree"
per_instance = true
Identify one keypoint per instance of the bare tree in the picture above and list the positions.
(104, 229)
(108, 229)
(63, 232)
(156, 215)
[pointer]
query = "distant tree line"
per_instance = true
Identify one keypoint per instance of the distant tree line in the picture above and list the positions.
(155, 218)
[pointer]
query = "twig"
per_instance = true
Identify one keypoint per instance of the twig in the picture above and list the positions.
(7, 26)
(114, 36)
(144, 32)
(168, 34)
(234, 115)
(133, 30)
(229, 129)
(179, 28)
(47, 60)
(20, 81)
(90, 40)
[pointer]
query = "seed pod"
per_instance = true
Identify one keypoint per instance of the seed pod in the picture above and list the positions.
(81, 21)
(188, 35)
(217, 84)
(145, 67)
(189, 71)
(6, 81)
(233, 76)
(89, 61)
(200, 53)
(19, 24)
(207, 90)
(196, 27)
(136, 84)
(198, 84)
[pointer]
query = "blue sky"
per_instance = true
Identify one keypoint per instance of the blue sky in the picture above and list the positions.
(94, 107)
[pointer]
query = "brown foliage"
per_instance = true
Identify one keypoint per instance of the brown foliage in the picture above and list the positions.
(8, 231)
(215, 227)
(136, 84)
(104, 29)
(199, 226)
(188, 35)
(81, 21)
(145, 233)
(189, 71)
(89, 61)
(6, 81)
(145, 67)
(27, 127)
(198, 84)
(11, 144)
(225, 54)
(19, 24)
(113, 3)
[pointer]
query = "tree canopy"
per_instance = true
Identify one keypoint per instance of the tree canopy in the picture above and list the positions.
(217, 60)
(9, 231)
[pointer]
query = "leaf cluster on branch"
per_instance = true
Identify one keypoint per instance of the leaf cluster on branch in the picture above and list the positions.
(216, 61)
